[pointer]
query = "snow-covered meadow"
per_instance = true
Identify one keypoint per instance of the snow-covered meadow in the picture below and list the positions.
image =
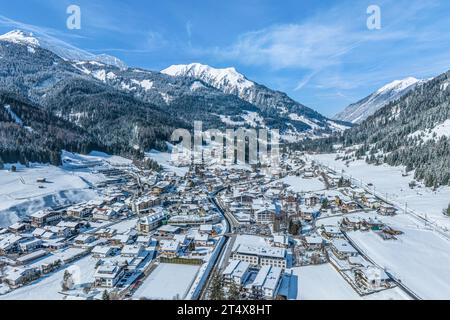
(168, 281)
(24, 192)
(390, 182)
(299, 184)
(21, 194)
(50, 287)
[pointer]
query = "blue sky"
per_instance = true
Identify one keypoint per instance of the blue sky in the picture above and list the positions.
(319, 52)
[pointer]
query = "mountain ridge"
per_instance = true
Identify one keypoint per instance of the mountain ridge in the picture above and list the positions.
(59, 47)
(361, 110)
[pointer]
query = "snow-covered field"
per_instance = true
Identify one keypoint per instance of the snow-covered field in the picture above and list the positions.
(49, 288)
(247, 239)
(163, 159)
(323, 282)
(21, 195)
(74, 161)
(168, 281)
(388, 181)
(299, 184)
(419, 258)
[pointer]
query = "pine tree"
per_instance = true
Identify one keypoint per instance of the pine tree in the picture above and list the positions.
(447, 211)
(67, 282)
(294, 227)
(216, 292)
(233, 292)
(105, 295)
(325, 204)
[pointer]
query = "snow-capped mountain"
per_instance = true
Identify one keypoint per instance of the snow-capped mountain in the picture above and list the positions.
(358, 112)
(298, 120)
(60, 48)
(73, 84)
(227, 80)
(20, 37)
(412, 131)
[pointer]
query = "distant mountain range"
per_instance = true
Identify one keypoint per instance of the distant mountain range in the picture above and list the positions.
(60, 48)
(127, 111)
(361, 110)
(297, 120)
(412, 130)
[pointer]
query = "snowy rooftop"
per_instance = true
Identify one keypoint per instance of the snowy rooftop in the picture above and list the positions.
(262, 251)
(268, 277)
(343, 246)
(169, 245)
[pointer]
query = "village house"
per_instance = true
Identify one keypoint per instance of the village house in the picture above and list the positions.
(161, 187)
(25, 259)
(132, 251)
(108, 275)
(202, 240)
(144, 204)
(243, 197)
(237, 271)
(263, 211)
(331, 232)
(207, 229)
(30, 245)
(313, 243)
(38, 232)
(265, 215)
(169, 248)
(19, 227)
(151, 222)
(281, 241)
(343, 249)
(346, 204)
(43, 218)
(84, 239)
(311, 200)
(386, 210)
(20, 276)
(73, 226)
(105, 214)
(54, 244)
(351, 223)
(62, 232)
(371, 202)
(372, 224)
(146, 241)
(267, 282)
(79, 212)
(50, 265)
(372, 278)
(309, 213)
(195, 219)
(123, 239)
(261, 255)
(168, 231)
(9, 243)
(103, 251)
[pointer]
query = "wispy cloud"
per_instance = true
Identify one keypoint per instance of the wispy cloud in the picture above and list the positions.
(337, 41)
(189, 29)
(39, 30)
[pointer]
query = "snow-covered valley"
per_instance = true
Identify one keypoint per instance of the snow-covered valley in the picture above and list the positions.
(391, 183)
